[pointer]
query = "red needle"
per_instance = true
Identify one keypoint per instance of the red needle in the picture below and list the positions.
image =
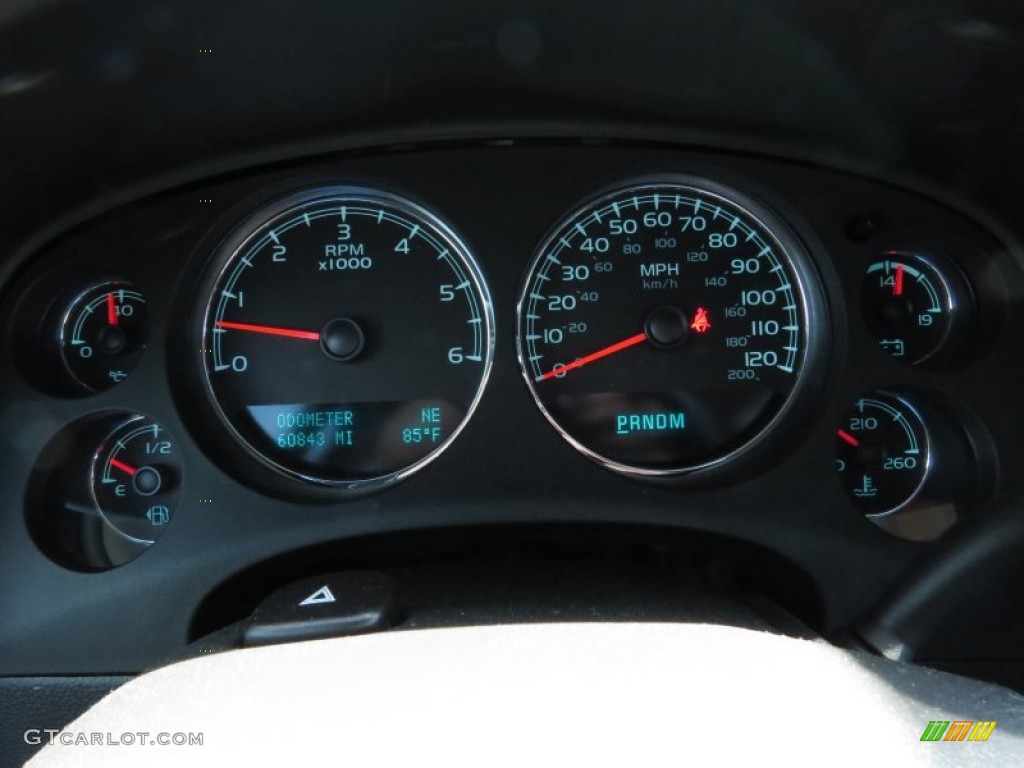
(897, 289)
(848, 438)
(111, 310)
(308, 335)
(580, 362)
(123, 467)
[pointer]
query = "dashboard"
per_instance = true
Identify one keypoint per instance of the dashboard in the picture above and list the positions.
(490, 334)
(704, 312)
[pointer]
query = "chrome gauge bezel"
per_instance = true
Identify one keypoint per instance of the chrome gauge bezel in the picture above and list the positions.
(926, 438)
(813, 313)
(94, 466)
(949, 301)
(242, 237)
(68, 331)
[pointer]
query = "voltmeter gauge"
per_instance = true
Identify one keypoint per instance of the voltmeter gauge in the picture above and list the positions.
(102, 335)
(882, 453)
(916, 308)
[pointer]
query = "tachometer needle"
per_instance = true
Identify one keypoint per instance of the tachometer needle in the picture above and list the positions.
(580, 362)
(897, 288)
(290, 333)
(111, 310)
(846, 437)
(123, 467)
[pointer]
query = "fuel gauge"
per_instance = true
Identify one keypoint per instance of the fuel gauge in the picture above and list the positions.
(103, 490)
(914, 307)
(135, 478)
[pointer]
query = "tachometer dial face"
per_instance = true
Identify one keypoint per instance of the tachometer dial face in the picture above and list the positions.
(663, 327)
(347, 337)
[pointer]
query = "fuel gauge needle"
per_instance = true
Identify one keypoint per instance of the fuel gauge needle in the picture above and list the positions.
(130, 471)
(579, 362)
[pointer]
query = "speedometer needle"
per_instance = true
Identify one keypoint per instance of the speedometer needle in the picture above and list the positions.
(270, 330)
(581, 361)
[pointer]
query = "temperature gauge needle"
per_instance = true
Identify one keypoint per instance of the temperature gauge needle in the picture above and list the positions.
(123, 467)
(269, 330)
(580, 362)
(111, 310)
(846, 437)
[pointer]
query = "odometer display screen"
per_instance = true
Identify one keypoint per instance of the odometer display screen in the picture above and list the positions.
(347, 336)
(663, 326)
(366, 438)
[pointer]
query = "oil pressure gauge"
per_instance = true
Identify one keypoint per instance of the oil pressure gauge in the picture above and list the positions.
(103, 334)
(916, 306)
(76, 336)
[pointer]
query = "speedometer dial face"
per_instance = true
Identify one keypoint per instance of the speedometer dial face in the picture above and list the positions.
(347, 336)
(663, 327)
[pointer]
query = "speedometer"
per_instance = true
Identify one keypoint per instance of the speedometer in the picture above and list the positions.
(664, 327)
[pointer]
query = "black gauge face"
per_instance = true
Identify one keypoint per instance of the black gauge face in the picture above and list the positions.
(103, 334)
(882, 453)
(663, 327)
(136, 479)
(908, 306)
(348, 336)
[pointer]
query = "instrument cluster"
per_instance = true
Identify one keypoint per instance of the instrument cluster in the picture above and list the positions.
(331, 334)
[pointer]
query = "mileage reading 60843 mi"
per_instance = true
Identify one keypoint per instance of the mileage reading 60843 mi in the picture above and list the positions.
(364, 437)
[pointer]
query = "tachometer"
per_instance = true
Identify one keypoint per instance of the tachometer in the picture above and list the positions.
(664, 326)
(347, 336)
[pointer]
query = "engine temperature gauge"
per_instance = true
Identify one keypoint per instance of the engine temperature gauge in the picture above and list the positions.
(883, 453)
(915, 308)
